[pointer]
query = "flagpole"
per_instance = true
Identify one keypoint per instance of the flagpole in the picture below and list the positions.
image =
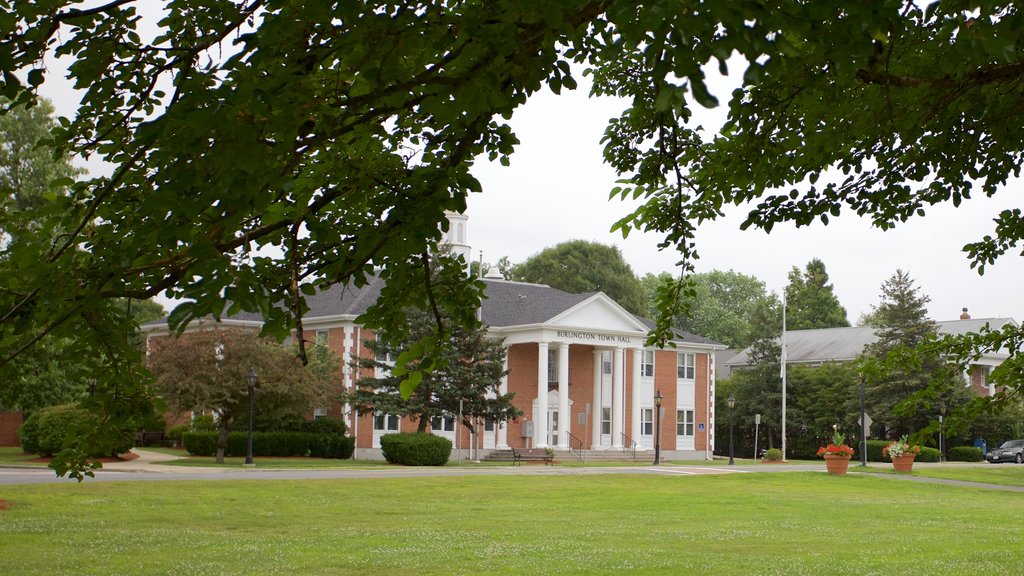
(783, 369)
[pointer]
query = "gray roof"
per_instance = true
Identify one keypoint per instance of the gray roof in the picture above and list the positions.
(505, 304)
(844, 344)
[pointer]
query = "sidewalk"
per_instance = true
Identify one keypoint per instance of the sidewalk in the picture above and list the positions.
(149, 461)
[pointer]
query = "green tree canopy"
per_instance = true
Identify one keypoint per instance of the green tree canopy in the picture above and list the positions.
(811, 301)
(339, 133)
(721, 307)
(206, 371)
(579, 266)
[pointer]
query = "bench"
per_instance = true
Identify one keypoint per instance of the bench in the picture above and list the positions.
(532, 455)
(143, 439)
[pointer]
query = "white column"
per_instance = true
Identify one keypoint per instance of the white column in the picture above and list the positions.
(634, 428)
(595, 406)
(540, 415)
(349, 375)
(564, 420)
(617, 367)
(501, 443)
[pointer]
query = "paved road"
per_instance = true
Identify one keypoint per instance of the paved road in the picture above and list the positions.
(149, 467)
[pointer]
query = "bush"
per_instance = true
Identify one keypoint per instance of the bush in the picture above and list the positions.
(775, 455)
(49, 430)
(416, 449)
(175, 433)
(273, 444)
(204, 423)
(928, 455)
(965, 454)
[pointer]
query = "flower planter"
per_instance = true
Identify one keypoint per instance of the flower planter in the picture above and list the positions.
(837, 464)
(903, 463)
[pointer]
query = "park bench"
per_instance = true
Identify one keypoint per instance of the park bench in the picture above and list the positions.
(532, 455)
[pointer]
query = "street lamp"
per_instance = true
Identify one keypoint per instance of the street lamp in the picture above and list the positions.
(657, 427)
(250, 377)
(942, 439)
(732, 402)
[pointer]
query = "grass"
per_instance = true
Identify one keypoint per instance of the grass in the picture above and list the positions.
(1004, 475)
(797, 523)
(268, 462)
(14, 455)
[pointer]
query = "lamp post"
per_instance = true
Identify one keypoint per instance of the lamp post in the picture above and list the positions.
(942, 439)
(657, 427)
(732, 402)
(251, 378)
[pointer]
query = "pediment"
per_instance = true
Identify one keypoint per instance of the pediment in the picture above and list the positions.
(598, 313)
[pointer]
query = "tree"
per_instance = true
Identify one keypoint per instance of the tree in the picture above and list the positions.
(206, 371)
(895, 389)
(723, 305)
(579, 266)
(28, 165)
(758, 388)
(810, 300)
(339, 133)
(466, 383)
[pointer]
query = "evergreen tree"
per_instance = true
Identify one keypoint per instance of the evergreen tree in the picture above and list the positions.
(898, 368)
(811, 301)
(470, 372)
(758, 388)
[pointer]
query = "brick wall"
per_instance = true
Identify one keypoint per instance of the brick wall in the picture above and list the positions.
(9, 423)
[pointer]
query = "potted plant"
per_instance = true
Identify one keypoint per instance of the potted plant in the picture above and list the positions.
(837, 454)
(902, 454)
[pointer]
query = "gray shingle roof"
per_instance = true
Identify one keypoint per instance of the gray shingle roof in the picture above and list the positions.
(505, 304)
(844, 344)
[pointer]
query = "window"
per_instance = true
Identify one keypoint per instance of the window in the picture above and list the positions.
(552, 365)
(488, 424)
(684, 422)
(321, 337)
(319, 412)
(385, 422)
(381, 354)
(606, 362)
(606, 420)
(685, 363)
(646, 421)
(442, 424)
(647, 366)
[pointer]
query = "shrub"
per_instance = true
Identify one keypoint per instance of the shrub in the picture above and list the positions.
(273, 444)
(49, 430)
(416, 449)
(928, 455)
(965, 454)
(204, 423)
(175, 433)
(775, 455)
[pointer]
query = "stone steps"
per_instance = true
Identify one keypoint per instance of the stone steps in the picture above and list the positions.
(566, 456)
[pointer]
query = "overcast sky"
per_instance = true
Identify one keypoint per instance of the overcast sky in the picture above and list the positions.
(557, 188)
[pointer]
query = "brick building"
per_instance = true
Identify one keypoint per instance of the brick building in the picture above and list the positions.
(576, 363)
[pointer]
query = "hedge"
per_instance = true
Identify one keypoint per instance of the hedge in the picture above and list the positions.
(273, 444)
(965, 454)
(416, 449)
(875, 452)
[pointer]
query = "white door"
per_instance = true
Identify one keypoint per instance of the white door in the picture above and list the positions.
(383, 424)
(490, 433)
(553, 427)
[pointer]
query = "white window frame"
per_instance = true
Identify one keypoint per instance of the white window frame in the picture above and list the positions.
(686, 366)
(322, 337)
(442, 424)
(647, 421)
(319, 412)
(647, 364)
(684, 422)
(606, 420)
(386, 422)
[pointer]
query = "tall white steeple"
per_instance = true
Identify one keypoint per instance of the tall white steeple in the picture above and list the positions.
(457, 235)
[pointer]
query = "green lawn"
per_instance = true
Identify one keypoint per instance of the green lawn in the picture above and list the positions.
(1003, 474)
(14, 455)
(794, 523)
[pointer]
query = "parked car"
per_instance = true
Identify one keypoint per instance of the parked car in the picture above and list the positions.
(1009, 451)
